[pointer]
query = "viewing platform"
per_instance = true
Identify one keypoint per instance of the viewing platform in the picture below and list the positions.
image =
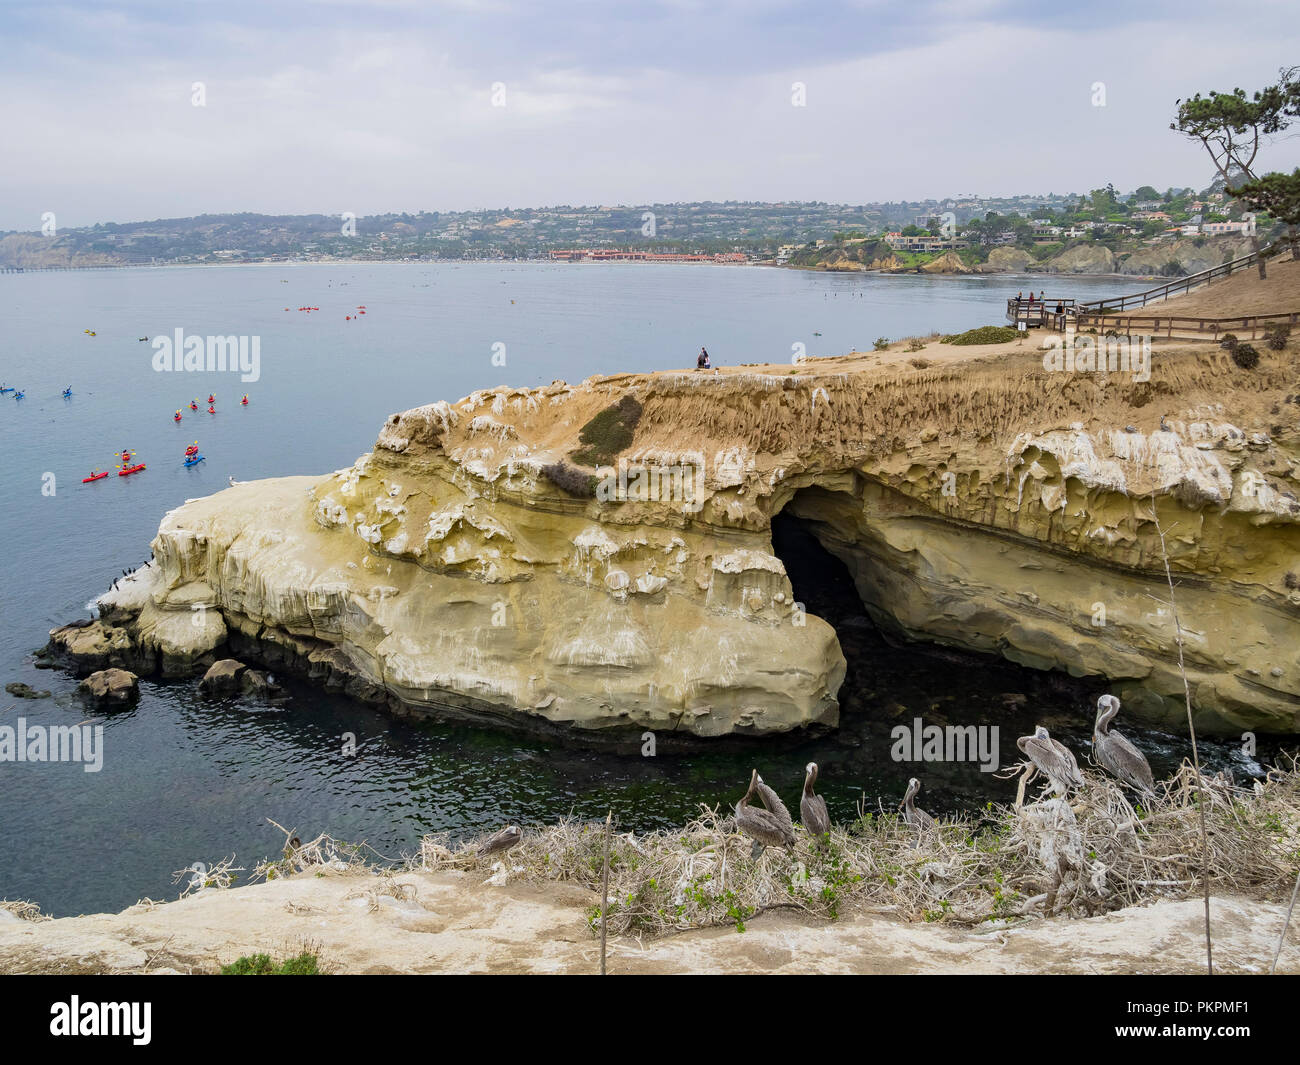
(1048, 312)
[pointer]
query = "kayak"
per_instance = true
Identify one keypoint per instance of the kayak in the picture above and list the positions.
(194, 461)
(94, 477)
(130, 470)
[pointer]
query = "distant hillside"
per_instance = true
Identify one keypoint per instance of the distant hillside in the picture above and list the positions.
(1170, 258)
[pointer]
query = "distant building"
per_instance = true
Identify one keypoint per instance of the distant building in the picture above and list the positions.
(924, 243)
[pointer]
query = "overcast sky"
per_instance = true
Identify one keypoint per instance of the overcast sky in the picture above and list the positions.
(327, 106)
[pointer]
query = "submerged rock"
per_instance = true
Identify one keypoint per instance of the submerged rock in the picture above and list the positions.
(23, 691)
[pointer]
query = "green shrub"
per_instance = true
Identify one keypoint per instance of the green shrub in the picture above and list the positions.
(1228, 342)
(608, 433)
(881, 343)
(305, 964)
(1245, 356)
(985, 334)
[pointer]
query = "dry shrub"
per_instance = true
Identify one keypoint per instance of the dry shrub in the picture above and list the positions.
(573, 480)
(1245, 356)
(1092, 854)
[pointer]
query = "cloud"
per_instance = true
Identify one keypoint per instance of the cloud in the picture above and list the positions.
(322, 106)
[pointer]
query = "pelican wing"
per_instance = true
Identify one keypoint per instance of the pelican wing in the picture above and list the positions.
(777, 809)
(762, 826)
(1121, 759)
(1053, 759)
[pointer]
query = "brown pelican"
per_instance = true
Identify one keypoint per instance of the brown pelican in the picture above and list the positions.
(812, 808)
(915, 817)
(1054, 760)
(775, 806)
(765, 827)
(1115, 754)
(501, 841)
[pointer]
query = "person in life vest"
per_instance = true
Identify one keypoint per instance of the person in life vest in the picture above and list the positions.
(194, 404)
(211, 398)
(176, 417)
(244, 401)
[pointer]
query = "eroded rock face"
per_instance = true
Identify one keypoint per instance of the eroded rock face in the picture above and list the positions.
(990, 506)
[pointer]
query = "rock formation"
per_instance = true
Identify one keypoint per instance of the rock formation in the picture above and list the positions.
(985, 504)
(111, 688)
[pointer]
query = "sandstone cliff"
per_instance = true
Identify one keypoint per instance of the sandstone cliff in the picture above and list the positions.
(980, 502)
(947, 263)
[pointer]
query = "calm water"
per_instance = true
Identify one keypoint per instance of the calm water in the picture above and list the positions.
(187, 779)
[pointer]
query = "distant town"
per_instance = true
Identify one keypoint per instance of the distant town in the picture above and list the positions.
(796, 234)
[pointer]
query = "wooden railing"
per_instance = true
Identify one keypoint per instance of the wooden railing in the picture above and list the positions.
(1250, 327)
(1037, 313)
(1182, 284)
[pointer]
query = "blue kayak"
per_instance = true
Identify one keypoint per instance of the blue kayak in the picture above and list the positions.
(194, 461)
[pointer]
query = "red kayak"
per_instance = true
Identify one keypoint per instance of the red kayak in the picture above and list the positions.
(130, 470)
(94, 477)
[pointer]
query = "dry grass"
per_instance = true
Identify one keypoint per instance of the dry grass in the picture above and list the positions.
(24, 910)
(1089, 855)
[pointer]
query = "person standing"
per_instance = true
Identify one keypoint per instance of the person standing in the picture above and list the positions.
(702, 363)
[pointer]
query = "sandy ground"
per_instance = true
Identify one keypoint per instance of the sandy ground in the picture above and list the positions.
(453, 922)
(1241, 294)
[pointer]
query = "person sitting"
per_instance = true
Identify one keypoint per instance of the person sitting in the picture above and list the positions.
(702, 363)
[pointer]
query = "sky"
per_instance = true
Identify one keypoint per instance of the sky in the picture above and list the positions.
(325, 106)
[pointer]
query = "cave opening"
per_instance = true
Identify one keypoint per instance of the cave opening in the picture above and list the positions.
(892, 680)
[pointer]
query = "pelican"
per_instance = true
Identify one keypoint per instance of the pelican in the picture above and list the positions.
(1115, 754)
(764, 827)
(1054, 760)
(915, 817)
(501, 841)
(812, 808)
(775, 807)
